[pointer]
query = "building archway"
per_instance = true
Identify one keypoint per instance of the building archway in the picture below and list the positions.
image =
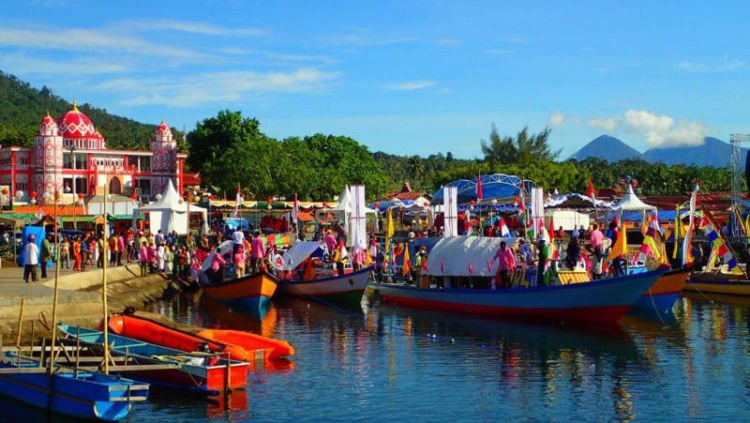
(115, 186)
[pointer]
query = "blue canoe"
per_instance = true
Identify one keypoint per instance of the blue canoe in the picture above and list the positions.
(83, 395)
(198, 372)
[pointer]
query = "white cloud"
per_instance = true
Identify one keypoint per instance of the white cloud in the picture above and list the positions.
(700, 67)
(92, 40)
(556, 119)
(192, 27)
(216, 87)
(237, 51)
(410, 85)
(608, 124)
(22, 64)
(663, 130)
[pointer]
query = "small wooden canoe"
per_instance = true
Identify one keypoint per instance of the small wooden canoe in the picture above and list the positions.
(82, 395)
(208, 374)
(251, 293)
(344, 290)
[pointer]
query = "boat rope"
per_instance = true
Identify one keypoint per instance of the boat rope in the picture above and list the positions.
(653, 304)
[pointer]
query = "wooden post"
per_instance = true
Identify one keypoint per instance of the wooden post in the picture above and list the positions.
(78, 349)
(19, 327)
(57, 289)
(229, 371)
(105, 260)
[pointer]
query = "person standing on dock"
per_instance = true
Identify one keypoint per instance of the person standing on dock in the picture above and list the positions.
(31, 256)
(46, 254)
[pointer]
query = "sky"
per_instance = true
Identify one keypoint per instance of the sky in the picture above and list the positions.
(403, 77)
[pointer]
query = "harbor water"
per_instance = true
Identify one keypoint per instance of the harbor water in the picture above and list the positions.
(397, 364)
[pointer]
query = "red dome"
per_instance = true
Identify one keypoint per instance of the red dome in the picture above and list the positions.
(75, 124)
(48, 126)
(163, 129)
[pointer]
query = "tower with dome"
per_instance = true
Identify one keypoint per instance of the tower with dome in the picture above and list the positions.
(70, 157)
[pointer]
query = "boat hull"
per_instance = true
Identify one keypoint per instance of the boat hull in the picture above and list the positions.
(344, 290)
(663, 295)
(719, 286)
(207, 379)
(250, 293)
(604, 301)
(86, 396)
(272, 348)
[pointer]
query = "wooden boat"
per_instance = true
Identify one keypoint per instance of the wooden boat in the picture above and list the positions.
(157, 333)
(663, 295)
(719, 281)
(82, 395)
(208, 374)
(251, 293)
(344, 290)
(272, 348)
(602, 301)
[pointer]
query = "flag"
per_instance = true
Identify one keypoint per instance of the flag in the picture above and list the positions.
(471, 268)
(388, 229)
(295, 209)
(590, 191)
(554, 251)
(480, 194)
(676, 232)
(649, 246)
(621, 246)
(406, 268)
(687, 248)
(504, 232)
(521, 199)
(237, 201)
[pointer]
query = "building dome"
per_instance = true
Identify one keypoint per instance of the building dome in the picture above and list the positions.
(76, 125)
(163, 130)
(48, 126)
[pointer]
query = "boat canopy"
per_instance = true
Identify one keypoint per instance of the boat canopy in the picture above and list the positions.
(298, 252)
(465, 256)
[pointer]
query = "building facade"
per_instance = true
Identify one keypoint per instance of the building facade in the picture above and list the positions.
(70, 156)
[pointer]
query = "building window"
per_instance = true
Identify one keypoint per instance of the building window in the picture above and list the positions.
(23, 158)
(82, 187)
(22, 186)
(144, 164)
(144, 186)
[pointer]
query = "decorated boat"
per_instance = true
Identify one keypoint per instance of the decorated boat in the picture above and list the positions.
(205, 373)
(719, 281)
(462, 286)
(242, 348)
(251, 293)
(664, 294)
(310, 278)
(81, 394)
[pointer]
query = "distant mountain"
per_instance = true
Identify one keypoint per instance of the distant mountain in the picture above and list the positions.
(714, 152)
(606, 147)
(23, 106)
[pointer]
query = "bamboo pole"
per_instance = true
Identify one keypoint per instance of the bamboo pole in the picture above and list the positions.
(105, 261)
(57, 290)
(19, 326)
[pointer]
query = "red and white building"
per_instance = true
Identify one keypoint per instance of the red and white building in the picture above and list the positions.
(70, 156)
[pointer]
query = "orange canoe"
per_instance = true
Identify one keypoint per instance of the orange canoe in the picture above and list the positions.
(272, 348)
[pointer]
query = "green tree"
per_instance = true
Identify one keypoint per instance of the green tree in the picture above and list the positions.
(523, 149)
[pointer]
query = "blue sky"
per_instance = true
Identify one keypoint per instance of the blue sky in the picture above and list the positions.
(402, 77)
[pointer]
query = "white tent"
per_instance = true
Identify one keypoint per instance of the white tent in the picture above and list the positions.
(170, 213)
(465, 256)
(631, 202)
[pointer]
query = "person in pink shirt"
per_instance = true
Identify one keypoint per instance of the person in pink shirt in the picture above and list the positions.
(258, 252)
(330, 242)
(596, 241)
(143, 259)
(507, 261)
(217, 267)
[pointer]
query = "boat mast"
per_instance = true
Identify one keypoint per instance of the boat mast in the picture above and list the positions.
(105, 311)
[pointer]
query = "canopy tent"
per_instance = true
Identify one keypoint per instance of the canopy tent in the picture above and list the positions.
(467, 256)
(574, 200)
(497, 185)
(631, 202)
(298, 252)
(170, 213)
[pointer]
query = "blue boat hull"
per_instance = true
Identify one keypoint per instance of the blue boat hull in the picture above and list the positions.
(256, 305)
(661, 303)
(90, 396)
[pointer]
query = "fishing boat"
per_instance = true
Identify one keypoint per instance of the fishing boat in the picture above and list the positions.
(719, 281)
(343, 290)
(664, 294)
(205, 373)
(465, 287)
(82, 395)
(156, 333)
(251, 293)
(319, 282)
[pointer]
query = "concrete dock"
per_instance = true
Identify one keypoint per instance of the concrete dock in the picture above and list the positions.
(80, 297)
